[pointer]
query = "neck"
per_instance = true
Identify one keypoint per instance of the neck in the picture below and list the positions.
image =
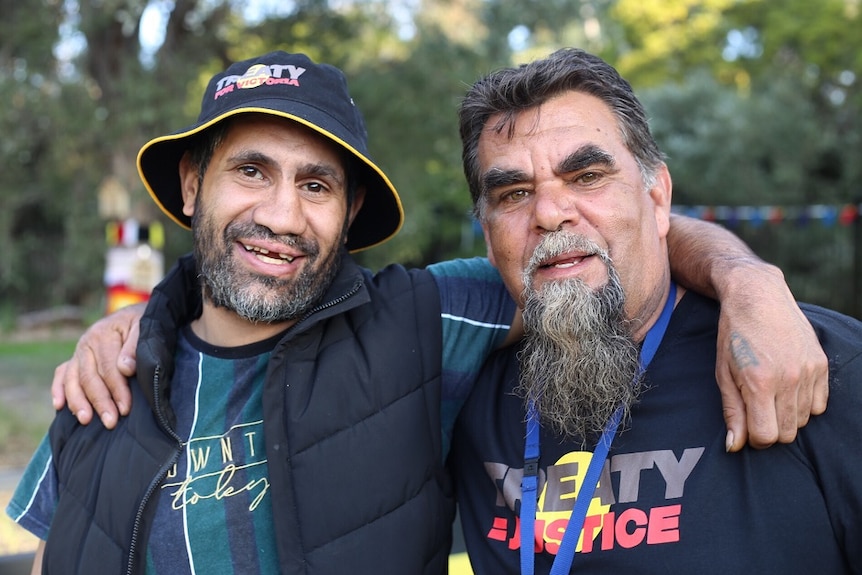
(224, 328)
(651, 308)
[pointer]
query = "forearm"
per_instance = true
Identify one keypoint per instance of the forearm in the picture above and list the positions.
(710, 260)
(770, 369)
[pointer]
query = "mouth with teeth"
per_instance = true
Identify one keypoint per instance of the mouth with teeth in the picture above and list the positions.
(559, 267)
(563, 263)
(269, 257)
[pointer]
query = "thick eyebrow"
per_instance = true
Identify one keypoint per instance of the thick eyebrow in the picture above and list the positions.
(250, 157)
(321, 170)
(580, 159)
(497, 178)
(584, 157)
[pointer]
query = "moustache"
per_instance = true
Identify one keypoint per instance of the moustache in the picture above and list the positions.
(559, 242)
(249, 231)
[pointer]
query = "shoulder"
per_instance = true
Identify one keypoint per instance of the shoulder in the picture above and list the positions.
(694, 321)
(839, 334)
(397, 281)
(478, 269)
(472, 286)
(841, 338)
(828, 321)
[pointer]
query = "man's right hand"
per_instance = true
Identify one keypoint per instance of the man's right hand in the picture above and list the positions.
(95, 377)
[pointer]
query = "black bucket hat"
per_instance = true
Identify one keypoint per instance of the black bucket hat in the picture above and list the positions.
(290, 86)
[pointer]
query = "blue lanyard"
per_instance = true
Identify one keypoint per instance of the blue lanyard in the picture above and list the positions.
(529, 485)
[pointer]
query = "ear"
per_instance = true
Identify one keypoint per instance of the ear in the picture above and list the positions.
(356, 205)
(188, 184)
(661, 196)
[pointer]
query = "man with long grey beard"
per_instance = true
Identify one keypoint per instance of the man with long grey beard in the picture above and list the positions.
(579, 362)
(593, 446)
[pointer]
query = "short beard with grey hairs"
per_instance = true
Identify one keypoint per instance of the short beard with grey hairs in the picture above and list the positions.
(255, 297)
(579, 363)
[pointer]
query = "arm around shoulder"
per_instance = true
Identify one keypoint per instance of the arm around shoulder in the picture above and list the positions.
(94, 379)
(771, 370)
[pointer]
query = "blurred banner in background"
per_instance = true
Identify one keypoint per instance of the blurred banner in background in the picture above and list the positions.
(134, 263)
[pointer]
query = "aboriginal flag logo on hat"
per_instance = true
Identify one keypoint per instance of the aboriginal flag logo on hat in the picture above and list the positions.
(254, 77)
(290, 86)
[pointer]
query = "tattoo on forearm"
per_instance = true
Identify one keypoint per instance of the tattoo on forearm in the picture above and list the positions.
(742, 353)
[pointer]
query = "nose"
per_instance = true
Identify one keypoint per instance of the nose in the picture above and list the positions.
(281, 210)
(554, 208)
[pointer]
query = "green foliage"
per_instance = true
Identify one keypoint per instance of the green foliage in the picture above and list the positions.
(665, 39)
(801, 34)
(410, 110)
(28, 30)
(773, 147)
(724, 147)
(754, 102)
(48, 144)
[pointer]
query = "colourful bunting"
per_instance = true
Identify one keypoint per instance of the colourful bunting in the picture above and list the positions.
(732, 216)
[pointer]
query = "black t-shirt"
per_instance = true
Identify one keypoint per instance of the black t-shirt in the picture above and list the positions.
(670, 499)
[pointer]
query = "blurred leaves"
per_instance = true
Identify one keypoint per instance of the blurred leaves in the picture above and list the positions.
(753, 101)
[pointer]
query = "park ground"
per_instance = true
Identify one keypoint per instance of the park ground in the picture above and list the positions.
(27, 362)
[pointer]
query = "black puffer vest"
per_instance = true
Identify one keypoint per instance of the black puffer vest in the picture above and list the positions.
(352, 425)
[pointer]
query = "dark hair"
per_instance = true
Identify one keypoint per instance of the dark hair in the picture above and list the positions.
(203, 145)
(510, 91)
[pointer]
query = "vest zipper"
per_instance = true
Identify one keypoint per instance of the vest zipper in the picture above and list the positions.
(163, 423)
(166, 427)
(342, 298)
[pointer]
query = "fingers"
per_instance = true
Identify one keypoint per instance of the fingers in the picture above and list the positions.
(748, 417)
(788, 412)
(782, 380)
(816, 395)
(820, 393)
(734, 418)
(66, 390)
(117, 397)
(803, 391)
(771, 354)
(94, 376)
(127, 362)
(748, 391)
(94, 380)
(766, 403)
(66, 381)
(812, 373)
(58, 396)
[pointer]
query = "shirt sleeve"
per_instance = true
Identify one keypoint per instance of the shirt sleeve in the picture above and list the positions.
(35, 499)
(476, 313)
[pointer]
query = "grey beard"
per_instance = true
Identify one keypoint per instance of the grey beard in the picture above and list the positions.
(579, 363)
(295, 299)
(259, 298)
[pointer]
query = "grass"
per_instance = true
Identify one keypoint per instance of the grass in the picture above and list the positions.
(26, 370)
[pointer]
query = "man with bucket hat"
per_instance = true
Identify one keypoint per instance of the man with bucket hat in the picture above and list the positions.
(314, 95)
(287, 403)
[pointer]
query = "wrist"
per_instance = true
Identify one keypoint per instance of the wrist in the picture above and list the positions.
(745, 275)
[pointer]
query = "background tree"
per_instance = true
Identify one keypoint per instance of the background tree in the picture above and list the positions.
(757, 103)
